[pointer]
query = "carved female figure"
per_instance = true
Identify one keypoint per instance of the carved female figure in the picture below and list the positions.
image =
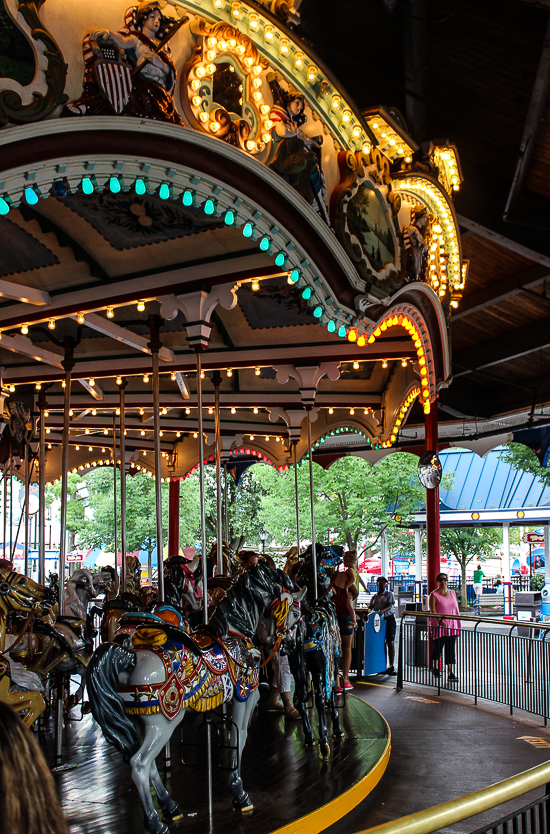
(131, 72)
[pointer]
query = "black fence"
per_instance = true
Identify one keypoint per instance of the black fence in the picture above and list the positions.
(506, 662)
(531, 819)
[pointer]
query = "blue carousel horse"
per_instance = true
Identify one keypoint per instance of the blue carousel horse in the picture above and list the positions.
(317, 650)
(139, 696)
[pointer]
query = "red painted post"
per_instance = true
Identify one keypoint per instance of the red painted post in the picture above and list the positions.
(432, 504)
(174, 517)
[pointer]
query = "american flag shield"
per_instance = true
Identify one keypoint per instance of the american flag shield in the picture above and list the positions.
(115, 82)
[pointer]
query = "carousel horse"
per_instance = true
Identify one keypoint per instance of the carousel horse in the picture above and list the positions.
(139, 697)
(182, 589)
(19, 688)
(317, 649)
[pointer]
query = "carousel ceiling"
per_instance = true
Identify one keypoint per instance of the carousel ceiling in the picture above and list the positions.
(108, 220)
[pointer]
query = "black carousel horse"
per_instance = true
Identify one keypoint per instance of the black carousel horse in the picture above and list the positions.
(317, 648)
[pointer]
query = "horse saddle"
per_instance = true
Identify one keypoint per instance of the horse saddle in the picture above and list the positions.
(158, 633)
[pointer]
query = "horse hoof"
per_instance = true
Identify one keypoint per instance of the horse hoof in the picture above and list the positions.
(172, 812)
(324, 750)
(154, 825)
(246, 808)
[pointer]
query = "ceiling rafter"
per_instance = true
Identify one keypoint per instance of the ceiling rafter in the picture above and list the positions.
(123, 335)
(505, 288)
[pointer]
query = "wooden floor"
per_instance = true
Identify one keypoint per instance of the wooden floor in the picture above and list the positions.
(285, 780)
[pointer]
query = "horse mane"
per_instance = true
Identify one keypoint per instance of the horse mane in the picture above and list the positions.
(244, 603)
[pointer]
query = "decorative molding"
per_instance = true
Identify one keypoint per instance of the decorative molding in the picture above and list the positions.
(42, 105)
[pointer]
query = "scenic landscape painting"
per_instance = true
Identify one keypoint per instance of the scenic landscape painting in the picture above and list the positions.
(368, 221)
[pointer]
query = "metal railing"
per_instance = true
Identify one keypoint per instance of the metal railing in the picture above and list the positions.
(509, 664)
(448, 813)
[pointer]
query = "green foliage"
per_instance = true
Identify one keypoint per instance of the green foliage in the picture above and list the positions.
(468, 543)
(75, 505)
(523, 458)
(537, 582)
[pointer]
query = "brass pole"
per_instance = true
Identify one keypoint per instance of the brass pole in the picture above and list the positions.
(26, 507)
(122, 491)
(201, 490)
(469, 805)
(155, 346)
(217, 379)
(114, 493)
(6, 470)
(11, 497)
(311, 504)
(68, 365)
(42, 494)
(296, 497)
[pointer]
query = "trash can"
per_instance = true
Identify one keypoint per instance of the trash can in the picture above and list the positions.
(528, 607)
(375, 648)
(405, 596)
(415, 644)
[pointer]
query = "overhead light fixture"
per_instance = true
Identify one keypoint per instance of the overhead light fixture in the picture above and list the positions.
(164, 411)
(80, 318)
(24, 329)
(141, 306)
(385, 363)
(255, 410)
(38, 386)
(51, 324)
(118, 380)
(331, 411)
(257, 371)
(12, 389)
(110, 312)
(105, 431)
(173, 376)
(146, 377)
(403, 363)
(352, 411)
(229, 372)
(188, 411)
(94, 412)
(233, 410)
(92, 381)
(356, 366)
(255, 285)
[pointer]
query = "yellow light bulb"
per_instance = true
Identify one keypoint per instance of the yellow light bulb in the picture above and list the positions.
(257, 371)
(51, 324)
(80, 318)
(141, 306)
(229, 372)
(146, 377)
(91, 381)
(110, 312)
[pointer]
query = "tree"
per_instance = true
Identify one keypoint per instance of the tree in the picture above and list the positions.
(525, 460)
(467, 543)
(141, 524)
(75, 505)
(354, 500)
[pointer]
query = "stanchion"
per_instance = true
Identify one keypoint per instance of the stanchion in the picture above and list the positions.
(122, 424)
(203, 558)
(58, 718)
(26, 507)
(155, 346)
(311, 504)
(217, 380)
(5, 518)
(42, 493)
(68, 365)
(296, 495)
(114, 496)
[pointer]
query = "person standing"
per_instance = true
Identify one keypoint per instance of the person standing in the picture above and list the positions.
(478, 589)
(444, 632)
(384, 602)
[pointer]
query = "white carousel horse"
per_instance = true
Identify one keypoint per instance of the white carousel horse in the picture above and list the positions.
(139, 697)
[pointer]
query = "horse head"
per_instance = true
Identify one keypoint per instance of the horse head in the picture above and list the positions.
(182, 582)
(283, 617)
(20, 593)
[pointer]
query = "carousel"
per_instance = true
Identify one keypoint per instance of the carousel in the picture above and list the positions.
(209, 258)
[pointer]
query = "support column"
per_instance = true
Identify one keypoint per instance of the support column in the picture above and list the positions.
(122, 424)
(384, 553)
(42, 404)
(506, 566)
(174, 517)
(68, 365)
(217, 380)
(432, 504)
(418, 555)
(294, 444)
(114, 500)
(546, 589)
(312, 504)
(155, 346)
(26, 507)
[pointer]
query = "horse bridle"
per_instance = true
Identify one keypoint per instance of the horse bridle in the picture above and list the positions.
(280, 609)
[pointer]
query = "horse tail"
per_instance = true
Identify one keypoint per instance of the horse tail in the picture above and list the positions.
(107, 662)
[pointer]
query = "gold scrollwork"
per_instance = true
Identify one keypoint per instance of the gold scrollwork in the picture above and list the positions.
(224, 50)
(12, 108)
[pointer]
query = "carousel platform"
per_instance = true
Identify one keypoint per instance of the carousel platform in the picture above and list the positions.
(291, 788)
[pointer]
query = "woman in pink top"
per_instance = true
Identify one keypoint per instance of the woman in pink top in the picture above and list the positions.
(444, 632)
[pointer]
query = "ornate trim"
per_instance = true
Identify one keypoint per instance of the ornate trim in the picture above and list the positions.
(12, 108)
(373, 170)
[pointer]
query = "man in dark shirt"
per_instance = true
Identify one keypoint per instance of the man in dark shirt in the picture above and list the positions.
(383, 602)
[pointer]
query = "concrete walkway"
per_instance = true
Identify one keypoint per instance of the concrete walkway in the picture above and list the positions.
(444, 747)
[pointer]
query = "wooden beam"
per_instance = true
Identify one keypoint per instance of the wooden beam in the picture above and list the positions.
(94, 390)
(510, 345)
(182, 385)
(535, 115)
(20, 344)
(28, 295)
(501, 289)
(122, 334)
(505, 242)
